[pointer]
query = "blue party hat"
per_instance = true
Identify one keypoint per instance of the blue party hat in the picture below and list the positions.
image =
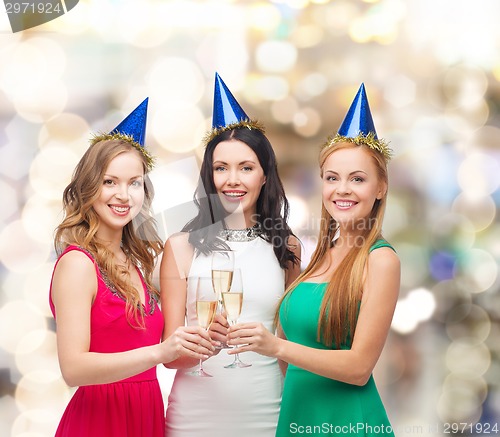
(226, 109)
(227, 113)
(133, 130)
(359, 118)
(358, 126)
(134, 124)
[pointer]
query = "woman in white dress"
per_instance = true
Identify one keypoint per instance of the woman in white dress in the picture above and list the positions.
(242, 207)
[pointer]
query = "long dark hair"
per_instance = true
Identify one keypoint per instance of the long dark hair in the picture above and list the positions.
(272, 204)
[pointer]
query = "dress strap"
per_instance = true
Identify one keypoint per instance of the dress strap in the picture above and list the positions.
(381, 243)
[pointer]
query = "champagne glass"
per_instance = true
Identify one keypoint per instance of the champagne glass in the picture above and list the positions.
(233, 301)
(206, 305)
(222, 275)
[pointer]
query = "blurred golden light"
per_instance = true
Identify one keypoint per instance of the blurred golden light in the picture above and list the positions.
(400, 91)
(284, 110)
(396, 215)
(475, 383)
(141, 27)
(37, 351)
(19, 318)
(9, 199)
(178, 129)
(403, 320)
(478, 174)
(19, 252)
(263, 16)
(36, 287)
(276, 56)
(416, 307)
(175, 82)
(470, 323)
(65, 130)
(43, 95)
(307, 35)
(16, 76)
(42, 388)
(38, 422)
(478, 270)
(459, 403)
(51, 171)
(465, 85)
(466, 120)
(452, 233)
(307, 122)
(448, 295)
(271, 88)
(463, 356)
(422, 302)
(40, 217)
(299, 213)
(414, 264)
(337, 18)
(42, 103)
(312, 85)
(479, 210)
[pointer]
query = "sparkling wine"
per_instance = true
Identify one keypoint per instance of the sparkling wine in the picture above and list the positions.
(205, 312)
(232, 304)
(221, 281)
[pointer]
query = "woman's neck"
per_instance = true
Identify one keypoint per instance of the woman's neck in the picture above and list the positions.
(240, 221)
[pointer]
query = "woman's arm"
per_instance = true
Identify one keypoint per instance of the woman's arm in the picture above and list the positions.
(73, 291)
(352, 366)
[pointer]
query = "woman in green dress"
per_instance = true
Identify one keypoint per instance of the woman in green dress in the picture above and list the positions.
(334, 319)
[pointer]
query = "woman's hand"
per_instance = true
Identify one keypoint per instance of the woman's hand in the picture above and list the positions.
(187, 341)
(218, 329)
(252, 337)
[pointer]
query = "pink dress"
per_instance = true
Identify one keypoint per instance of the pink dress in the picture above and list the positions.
(132, 407)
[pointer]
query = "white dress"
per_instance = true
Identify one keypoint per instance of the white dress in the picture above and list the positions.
(242, 401)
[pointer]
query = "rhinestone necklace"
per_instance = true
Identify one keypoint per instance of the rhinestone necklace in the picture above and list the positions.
(240, 235)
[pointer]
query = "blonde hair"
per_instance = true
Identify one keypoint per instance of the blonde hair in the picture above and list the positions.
(140, 241)
(340, 304)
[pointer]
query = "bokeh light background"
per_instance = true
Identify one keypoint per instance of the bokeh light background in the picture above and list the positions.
(432, 71)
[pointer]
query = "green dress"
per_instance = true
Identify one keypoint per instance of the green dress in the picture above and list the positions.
(315, 405)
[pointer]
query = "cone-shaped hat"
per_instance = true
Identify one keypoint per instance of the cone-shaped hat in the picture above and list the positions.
(226, 109)
(359, 118)
(358, 126)
(227, 113)
(133, 130)
(134, 124)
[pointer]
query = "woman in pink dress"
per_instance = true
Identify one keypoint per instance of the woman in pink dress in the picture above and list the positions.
(109, 325)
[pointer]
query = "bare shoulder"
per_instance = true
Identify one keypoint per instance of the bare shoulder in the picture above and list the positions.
(177, 256)
(76, 263)
(383, 274)
(74, 277)
(383, 258)
(178, 240)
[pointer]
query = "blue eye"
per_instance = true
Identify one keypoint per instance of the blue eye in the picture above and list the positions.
(136, 183)
(219, 168)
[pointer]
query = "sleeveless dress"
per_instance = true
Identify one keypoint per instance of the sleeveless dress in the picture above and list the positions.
(241, 402)
(313, 404)
(132, 407)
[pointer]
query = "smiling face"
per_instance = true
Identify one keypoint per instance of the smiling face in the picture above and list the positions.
(238, 177)
(351, 186)
(122, 193)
